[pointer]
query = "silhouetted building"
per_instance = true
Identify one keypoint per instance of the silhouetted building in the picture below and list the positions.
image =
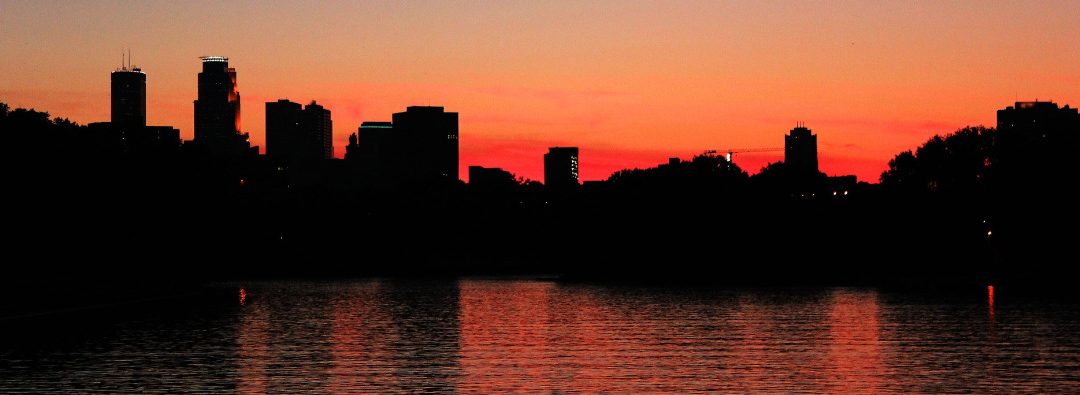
(561, 167)
(429, 142)
(1038, 117)
(165, 138)
(127, 133)
(298, 135)
(282, 129)
(351, 149)
(373, 150)
(217, 110)
(800, 151)
(842, 186)
(489, 176)
(1035, 146)
(128, 98)
(317, 132)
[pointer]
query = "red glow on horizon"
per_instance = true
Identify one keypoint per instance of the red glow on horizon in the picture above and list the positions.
(872, 79)
(243, 296)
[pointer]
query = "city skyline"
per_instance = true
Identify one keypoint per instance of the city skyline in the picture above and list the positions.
(524, 79)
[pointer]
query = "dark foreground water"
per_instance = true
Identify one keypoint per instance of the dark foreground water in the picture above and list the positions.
(532, 336)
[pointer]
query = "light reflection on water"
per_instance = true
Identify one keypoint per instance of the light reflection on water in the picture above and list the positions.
(525, 336)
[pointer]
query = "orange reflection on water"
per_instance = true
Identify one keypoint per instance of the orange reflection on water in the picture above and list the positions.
(855, 346)
(254, 349)
(504, 335)
(990, 300)
(243, 296)
(360, 341)
(543, 338)
(772, 343)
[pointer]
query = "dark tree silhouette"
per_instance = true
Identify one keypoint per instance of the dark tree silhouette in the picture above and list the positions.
(956, 164)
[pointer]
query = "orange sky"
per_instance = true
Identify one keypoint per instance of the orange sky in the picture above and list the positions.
(630, 82)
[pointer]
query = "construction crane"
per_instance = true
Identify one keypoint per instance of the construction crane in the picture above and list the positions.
(732, 151)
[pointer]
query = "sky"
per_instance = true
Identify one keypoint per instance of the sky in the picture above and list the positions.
(629, 82)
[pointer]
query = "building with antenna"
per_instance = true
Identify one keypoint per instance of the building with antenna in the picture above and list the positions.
(128, 96)
(127, 129)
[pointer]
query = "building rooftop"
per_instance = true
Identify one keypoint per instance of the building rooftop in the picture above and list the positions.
(127, 70)
(376, 125)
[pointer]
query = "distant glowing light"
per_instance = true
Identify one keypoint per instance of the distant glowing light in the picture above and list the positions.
(243, 296)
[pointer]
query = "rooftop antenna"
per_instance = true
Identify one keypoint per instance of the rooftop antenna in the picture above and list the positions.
(123, 60)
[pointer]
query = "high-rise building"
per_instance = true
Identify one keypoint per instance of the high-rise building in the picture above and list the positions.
(128, 98)
(429, 142)
(800, 151)
(217, 110)
(127, 132)
(373, 152)
(298, 134)
(317, 133)
(1038, 117)
(282, 129)
(561, 167)
(1034, 147)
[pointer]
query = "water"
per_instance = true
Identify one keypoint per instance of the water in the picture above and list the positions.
(532, 336)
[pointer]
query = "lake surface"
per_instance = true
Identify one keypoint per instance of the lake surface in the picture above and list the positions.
(498, 336)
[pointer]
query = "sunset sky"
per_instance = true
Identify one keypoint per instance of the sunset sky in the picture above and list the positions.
(630, 82)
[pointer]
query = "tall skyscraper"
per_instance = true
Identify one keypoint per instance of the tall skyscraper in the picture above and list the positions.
(561, 167)
(800, 151)
(429, 138)
(282, 129)
(128, 98)
(317, 132)
(217, 110)
(127, 129)
(295, 134)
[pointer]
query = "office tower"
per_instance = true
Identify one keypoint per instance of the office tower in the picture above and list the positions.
(282, 129)
(561, 167)
(317, 133)
(217, 109)
(127, 131)
(296, 134)
(373, 149)
(128, 98)
(800, 151)
(429, 143)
